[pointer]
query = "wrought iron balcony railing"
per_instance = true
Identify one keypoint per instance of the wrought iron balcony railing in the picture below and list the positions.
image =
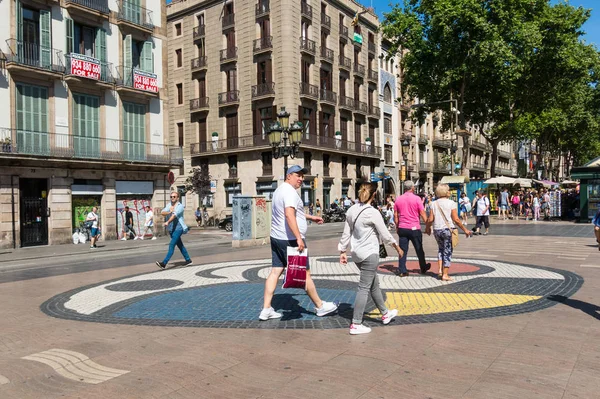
(230, 144)
(103, 73)
(229, 54)
(262, 44)
(308, 46)
(345, 62)
(442, 143)
(135, 14)
(200, 103)
(424, 167)
(306, 89)
(478, 166)
(136, 79)
(229, 21)
(360, 106)
(35, 56)
(199, 63)
(325, 21)
(85, 148)
(262, 8)
(263, 89)
(306, 10)
(199, 31)
(326, 54)
(328, 96)
(372, 47)
(346, 102)
(343, 145)
(344, 33)
(98, 5)
(359, 69)
(229, 97)
(479, 145)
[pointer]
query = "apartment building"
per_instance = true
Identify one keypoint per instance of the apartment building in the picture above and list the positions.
(233, 66)
(81, 103)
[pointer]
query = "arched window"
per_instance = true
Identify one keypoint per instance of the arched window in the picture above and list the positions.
(387, 94)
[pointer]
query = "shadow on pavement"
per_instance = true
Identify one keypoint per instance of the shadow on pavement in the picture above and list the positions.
(585, 307)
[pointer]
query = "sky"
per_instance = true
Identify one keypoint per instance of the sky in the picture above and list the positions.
(592, 26)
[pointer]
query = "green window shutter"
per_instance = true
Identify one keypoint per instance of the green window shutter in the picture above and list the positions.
(147, 64)
(127, 61)
(32, 119)
(45, 39)
(19, 27)
(86, 131)
(101, 53)
(70, 35)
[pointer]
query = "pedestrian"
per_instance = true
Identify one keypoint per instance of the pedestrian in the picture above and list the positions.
(198, 215)
(128, 225)
(149, 224)
(318, 208)
(536, 207)
(176, 227)
(444, 219)
(465, 207)
(311, 211)
(527, 208)
(483, 213)
(94, 231)
(363, 230)
(596, 222)
(546, 204)
(347, 203)
(503, 204)
(408, 208)
(516, 205)
(288, 229)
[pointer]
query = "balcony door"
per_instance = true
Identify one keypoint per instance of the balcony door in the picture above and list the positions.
(33, 36)
(326, 80)
(32, 119)
(86, 126)
(264, 72)
(134, 131)
(232, 130)
(231, 80)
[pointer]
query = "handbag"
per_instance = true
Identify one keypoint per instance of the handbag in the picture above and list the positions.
(382, 251)
(454, 231)
(88, 224)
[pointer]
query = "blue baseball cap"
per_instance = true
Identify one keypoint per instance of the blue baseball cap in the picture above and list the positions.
(296, 169)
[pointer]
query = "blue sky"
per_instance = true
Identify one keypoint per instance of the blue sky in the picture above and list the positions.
(592, 27)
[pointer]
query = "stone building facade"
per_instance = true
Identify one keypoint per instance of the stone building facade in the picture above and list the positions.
(233, 66)
(82, 94)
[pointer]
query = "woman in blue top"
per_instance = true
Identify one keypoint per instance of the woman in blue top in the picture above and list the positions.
(596, 222)
(177, 228)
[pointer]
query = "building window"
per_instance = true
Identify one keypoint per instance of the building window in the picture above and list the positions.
(267, 163)
(344, 128)
(357, 132)
(387, 154)
(232, 129)
(179, 87)
(180, 133)
(134, 131)
(178, 29)
(178, 58)
(307, 161)
(86, 125)
(387, 124)
(387, 94)
(231, 190)
(307, 119)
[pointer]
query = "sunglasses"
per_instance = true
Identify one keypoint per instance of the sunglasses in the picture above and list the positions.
(173, 196)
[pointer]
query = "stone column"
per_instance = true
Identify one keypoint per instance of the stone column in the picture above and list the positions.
(60, 222)
(109, 210)
(6, 212)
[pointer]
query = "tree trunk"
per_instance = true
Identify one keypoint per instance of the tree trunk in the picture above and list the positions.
(494, 157)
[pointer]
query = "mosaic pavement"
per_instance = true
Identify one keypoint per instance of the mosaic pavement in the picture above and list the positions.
(229, 295)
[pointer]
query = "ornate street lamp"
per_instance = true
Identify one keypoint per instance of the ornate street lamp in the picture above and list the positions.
(405, 150)
(285, 139)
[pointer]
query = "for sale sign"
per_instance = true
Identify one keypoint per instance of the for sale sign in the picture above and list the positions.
(84, 66)
(145, 81)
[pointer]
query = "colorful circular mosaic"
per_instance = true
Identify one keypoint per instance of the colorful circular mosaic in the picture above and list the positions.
(229, 295)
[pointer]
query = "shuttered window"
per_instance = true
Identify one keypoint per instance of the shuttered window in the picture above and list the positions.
(134, 131)
(32, 119)
(86, 125)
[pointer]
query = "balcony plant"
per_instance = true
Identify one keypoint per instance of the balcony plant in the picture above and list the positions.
(338, 139)
(215, 140)
(7, 144)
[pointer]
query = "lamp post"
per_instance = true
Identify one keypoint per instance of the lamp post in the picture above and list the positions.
(285, 139)
(405, 150)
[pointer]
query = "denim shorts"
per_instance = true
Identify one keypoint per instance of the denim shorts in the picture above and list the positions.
(279, 252)
(94, 232)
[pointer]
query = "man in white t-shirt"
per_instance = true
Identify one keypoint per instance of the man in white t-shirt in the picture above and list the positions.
(288, 229)
(92, 218)
(149, 225)
(483, 213)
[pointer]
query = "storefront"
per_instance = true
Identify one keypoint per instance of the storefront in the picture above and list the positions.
(589, 191)
(85, 194)
(136, 195)
(327, 194)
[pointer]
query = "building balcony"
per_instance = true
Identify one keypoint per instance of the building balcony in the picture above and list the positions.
(263, 90)
(346, 103)
(263, 44)
(342, 146)
(442, 143)
(478, 166)
(134, 81)
(372, 75)
(133, 17)
(328, 96)
(478, 145)
(263, 8)
(309, 91)
(306, 10)
(233, 173)
(81, 68)
(372, 48)
(345, 63)
(504, 154)
(308, 46)
(504, 172)
(199, 32)
(234, 144)
(228, 55)
(27, 143)
(98, 8)
(199, 64)
(361, 107)
(229, 97)
(228, 21)
(441, 168)
(326, 171)
(326, 55)
(404, 107)
(344, 33)
(374, 111)
(325, 21)
(199, 104)
(423, 140)
(359, 70)
(34, 60)
(424, 167)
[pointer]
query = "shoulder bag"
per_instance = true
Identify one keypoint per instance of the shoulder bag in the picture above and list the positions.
(382, 251)
(454, 231)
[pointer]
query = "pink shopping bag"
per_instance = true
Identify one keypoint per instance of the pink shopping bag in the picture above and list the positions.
(295, 272)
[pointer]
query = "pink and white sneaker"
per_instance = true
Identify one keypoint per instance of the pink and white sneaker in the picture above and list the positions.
(389, 316)
(356, 329)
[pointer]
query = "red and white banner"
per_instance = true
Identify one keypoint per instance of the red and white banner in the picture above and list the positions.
(84, 66)
(145, 81)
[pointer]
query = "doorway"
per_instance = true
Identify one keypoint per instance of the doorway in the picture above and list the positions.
(34, 212)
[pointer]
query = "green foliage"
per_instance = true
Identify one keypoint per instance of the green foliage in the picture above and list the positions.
(199, 182)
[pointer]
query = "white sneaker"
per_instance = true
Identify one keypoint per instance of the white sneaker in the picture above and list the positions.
(269, 313)
(356, 329)
(389, 316)
(326, 308)
(136, 238)
(142, 238)
(154, 238)
(124, 239)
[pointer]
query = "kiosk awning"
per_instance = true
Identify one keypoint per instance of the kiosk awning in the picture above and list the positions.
(454, 179)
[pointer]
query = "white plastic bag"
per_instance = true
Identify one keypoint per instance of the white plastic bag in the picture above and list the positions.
(82, 238)
(75, 238)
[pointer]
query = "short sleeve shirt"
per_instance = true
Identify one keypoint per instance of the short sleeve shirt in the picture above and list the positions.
(285, 197)
(409, 207)
(90, 216)
(444, 206)
(149, 221)
(482, 204)
(504, 198)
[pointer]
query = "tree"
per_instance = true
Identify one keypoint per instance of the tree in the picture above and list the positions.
(199, 182)
(508, 63)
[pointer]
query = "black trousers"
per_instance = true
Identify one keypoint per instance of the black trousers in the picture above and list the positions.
(416, 237)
